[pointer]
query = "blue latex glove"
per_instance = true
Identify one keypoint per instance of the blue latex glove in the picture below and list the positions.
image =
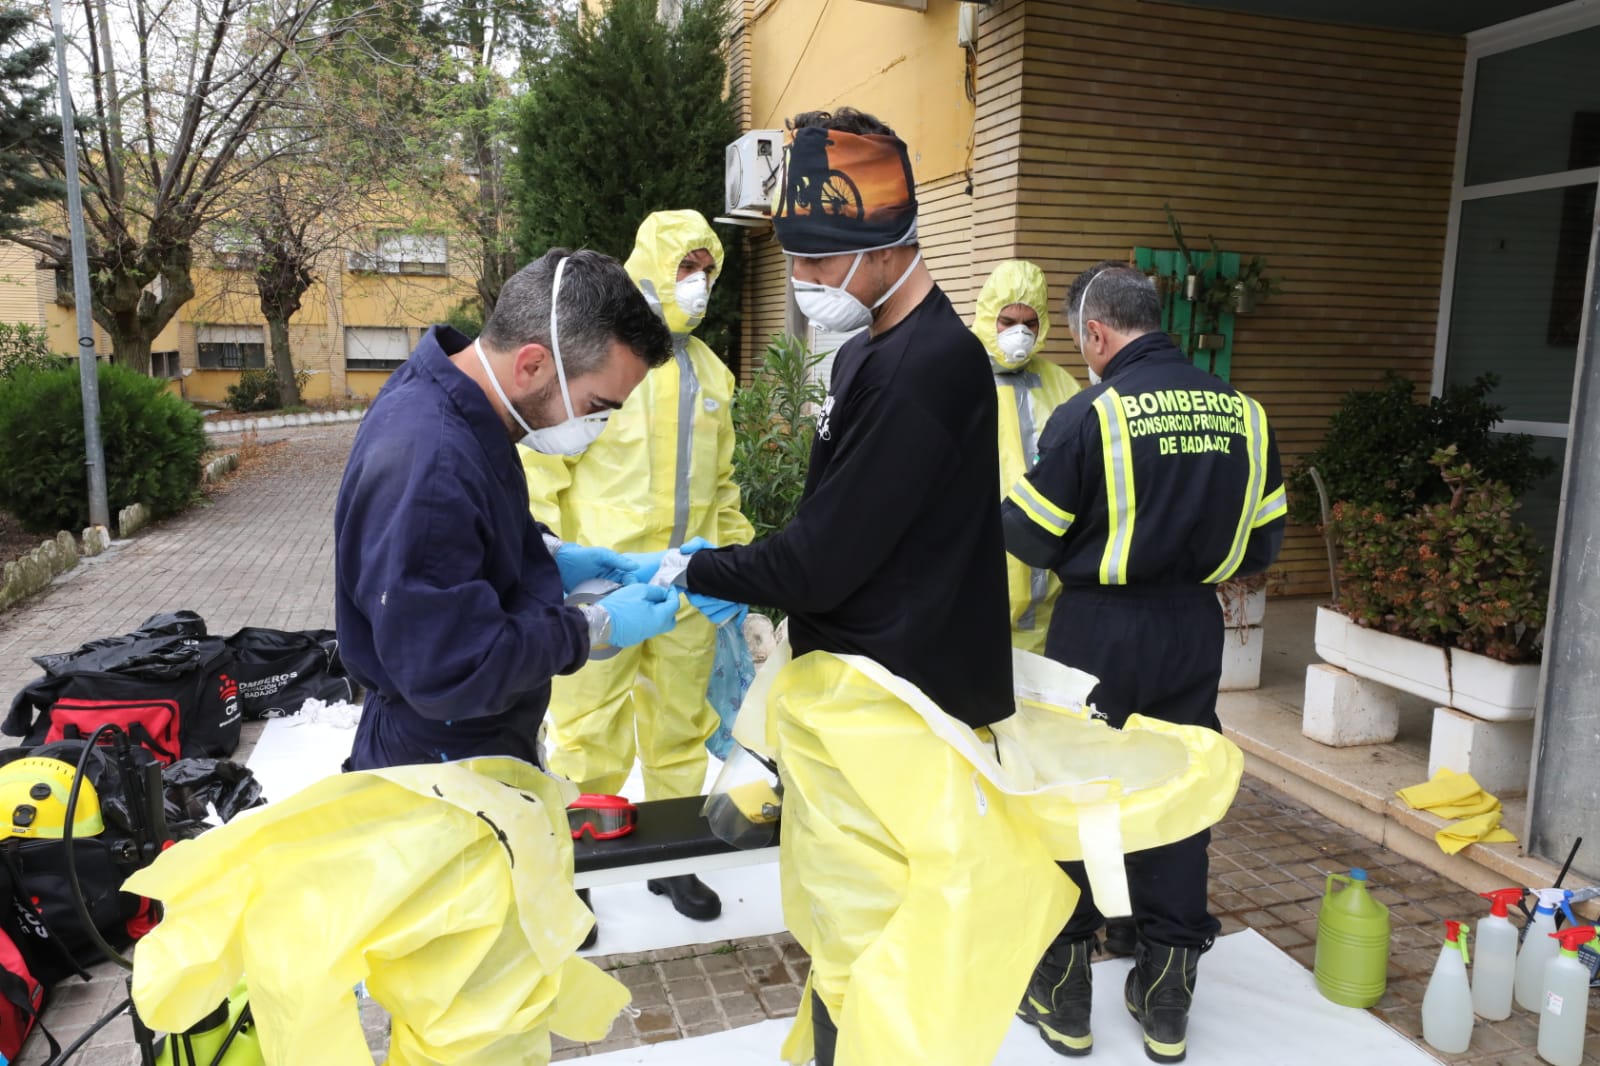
(579, 564)
(650, 562)
(639, 612)
(718, 611)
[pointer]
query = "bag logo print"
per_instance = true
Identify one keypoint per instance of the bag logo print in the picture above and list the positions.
(228, 692)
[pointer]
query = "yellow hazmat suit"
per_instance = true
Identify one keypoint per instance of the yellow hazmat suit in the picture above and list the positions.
(918, 856)
(1029, 389)
(446, 887)
(661, 474)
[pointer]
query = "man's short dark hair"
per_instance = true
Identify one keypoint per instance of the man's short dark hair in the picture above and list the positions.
(845, 120)
(599, 304)
(1121, 297)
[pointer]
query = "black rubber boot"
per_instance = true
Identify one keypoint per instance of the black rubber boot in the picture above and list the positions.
(594, 930)
(1159, 990)
(1059, 996)
(1122, 935)
(690, 896)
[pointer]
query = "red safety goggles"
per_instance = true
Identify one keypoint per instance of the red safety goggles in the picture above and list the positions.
(602, 817)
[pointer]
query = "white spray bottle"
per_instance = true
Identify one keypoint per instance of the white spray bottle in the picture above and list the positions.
(1565, 1011)
(1447, 1004)
(1495, 970)
(1537, 946)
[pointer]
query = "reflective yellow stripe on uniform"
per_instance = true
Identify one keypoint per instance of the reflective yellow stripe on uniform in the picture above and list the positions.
(1256, 444)
(1275, 506)
(1034, 504)
(1120, 501)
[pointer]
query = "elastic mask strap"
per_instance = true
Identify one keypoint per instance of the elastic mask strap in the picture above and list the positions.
(896, 286)
(494, 381)
(555, 344)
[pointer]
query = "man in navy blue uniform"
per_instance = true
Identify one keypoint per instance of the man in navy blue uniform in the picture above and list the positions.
(449, 596)
(1151, 486)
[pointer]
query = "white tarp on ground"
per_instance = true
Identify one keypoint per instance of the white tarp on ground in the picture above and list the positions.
(1254, 1006)
(301, 749)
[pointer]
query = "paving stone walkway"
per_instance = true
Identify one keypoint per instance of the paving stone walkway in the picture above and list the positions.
(260, 553)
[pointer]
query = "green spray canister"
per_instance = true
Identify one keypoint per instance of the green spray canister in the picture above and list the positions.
(1352, 962)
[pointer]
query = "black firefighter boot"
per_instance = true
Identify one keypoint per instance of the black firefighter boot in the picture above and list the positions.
(690, 896)
(1159, 990)
(1058, 998)
(1122, 934)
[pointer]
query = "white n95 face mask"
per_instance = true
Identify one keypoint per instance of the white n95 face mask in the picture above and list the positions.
(1016, 345)
(693, 294)
(832, 307)
(570, 437)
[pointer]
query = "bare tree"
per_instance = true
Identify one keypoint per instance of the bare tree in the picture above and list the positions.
(454, 66)
(300, 210)
(180, 92)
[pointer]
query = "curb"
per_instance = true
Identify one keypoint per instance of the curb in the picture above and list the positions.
(34, 571)
(313, 418)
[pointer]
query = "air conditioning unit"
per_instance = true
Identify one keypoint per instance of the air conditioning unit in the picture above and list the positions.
(754, 163)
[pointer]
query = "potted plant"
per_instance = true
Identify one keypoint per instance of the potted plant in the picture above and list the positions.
(1244, 608)
(1445, 601)
(1251, 286)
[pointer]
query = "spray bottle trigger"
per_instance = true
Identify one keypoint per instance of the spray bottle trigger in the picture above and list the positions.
(1456, 933)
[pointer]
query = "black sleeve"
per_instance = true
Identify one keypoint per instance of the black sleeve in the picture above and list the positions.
(890, 456)
(1039, 510)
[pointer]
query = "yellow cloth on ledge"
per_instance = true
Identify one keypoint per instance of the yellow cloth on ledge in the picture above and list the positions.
(1450, 795)
(1483, 829)
(1457, 796)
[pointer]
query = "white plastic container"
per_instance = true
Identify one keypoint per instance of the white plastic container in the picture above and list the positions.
(1565, 1012)
(1539, 948)
(1494, 970)
(1447, 1005)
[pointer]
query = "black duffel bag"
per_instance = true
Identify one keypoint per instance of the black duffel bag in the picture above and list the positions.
(277, 671)
(168, 685)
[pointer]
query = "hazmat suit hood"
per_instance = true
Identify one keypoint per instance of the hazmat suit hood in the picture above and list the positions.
(1016, 281)
(664, 239)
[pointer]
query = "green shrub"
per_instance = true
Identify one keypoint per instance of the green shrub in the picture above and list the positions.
(153, 442)
(1381, 443)
(257, 391)
(1461, 572)
(467, 316)
(25, 347)
(773, 423)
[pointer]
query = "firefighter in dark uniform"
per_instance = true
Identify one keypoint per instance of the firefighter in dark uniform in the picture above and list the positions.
(1151, 486)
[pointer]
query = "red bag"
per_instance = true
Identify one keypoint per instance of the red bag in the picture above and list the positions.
(21, 1002)
(151, 723)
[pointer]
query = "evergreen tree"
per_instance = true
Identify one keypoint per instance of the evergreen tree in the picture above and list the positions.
(629, 115)
(27, 128)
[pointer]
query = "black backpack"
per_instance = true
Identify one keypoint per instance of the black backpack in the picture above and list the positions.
(37, 907)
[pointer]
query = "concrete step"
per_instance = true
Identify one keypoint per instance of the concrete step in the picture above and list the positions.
(1356, 787)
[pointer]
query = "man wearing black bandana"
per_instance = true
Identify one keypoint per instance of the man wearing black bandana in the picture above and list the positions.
(896, 552)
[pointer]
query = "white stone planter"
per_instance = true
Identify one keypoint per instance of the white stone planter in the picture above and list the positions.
(1243, 639)
(1485, 688)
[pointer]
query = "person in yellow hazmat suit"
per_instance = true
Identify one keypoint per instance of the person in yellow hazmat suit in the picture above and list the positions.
(1013, 320)
(660, 475)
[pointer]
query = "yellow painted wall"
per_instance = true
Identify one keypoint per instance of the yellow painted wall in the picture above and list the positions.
(903, 66)
(400, 299)
(19, 303)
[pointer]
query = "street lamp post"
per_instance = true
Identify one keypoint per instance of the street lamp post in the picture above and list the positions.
(94, 453)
